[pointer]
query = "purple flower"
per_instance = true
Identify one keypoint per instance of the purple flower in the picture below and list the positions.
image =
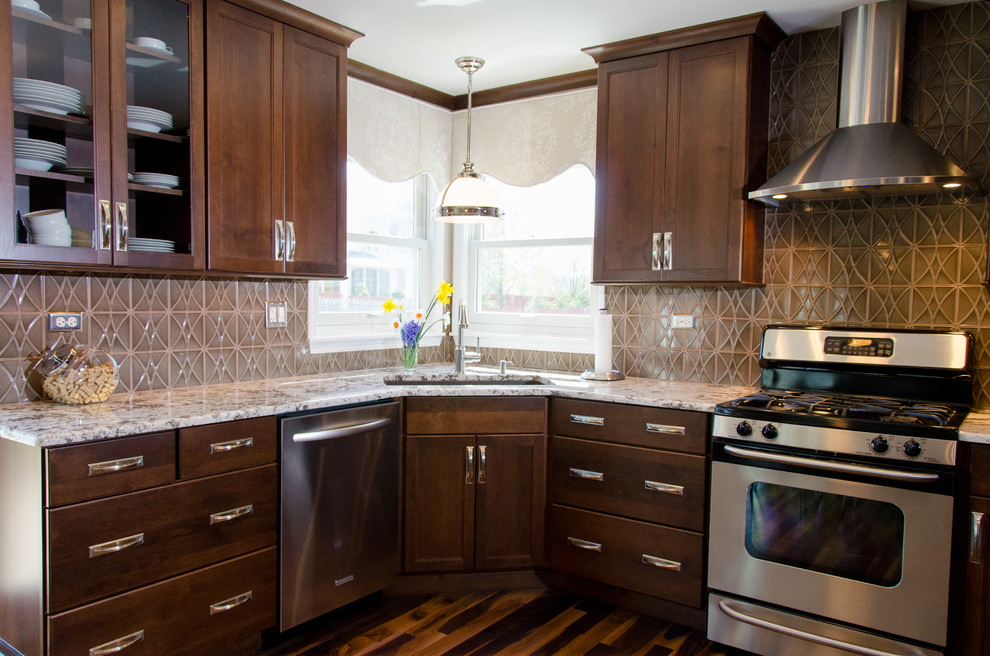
(410, 333)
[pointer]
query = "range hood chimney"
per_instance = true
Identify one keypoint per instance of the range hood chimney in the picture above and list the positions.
(871, 153)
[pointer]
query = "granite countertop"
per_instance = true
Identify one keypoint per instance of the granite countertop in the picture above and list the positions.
(976, 428)
(44, 423)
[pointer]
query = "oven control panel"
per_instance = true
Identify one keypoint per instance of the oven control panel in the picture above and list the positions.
(871, 347)
(836, 440)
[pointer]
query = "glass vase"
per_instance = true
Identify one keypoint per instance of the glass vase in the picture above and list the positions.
(410, 357)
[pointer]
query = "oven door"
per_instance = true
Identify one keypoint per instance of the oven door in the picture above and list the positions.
(868, 546)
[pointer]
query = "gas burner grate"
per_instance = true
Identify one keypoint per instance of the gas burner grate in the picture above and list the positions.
(849, 407)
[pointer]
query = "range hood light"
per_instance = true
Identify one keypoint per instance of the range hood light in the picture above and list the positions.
(779, 196)
(952, 185)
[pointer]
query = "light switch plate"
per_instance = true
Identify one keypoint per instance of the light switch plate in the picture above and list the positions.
(276, 314)
(682, 320)
(59, 321)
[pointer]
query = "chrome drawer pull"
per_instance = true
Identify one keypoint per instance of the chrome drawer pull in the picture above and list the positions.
(111, 466)
(584, 544)
(117, 645)
(976, 538)
(220, 447)
(227, 604)
(665, 488)
(656, 254)
(482, 465)
(585, 419)
(586, 474)
(114, 546)
(227, 515)
(662, 563)
(469, 465)
(665, 429)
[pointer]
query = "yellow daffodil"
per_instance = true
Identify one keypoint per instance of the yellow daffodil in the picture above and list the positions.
(444, 292)
(389, 305)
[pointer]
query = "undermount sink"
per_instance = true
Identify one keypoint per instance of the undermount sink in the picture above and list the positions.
(466, 379)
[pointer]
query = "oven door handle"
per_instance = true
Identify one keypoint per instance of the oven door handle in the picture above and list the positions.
(803, 635)
(847, 468)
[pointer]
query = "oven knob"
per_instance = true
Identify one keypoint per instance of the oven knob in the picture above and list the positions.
(743, 428)
(770, 431)
(879, 444)
(911, 449)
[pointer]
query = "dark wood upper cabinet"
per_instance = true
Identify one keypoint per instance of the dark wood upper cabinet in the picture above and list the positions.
(682, 132)
(277, 145)
(95, 51)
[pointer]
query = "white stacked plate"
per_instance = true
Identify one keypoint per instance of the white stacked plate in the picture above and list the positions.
(163, 180)
(48, 227)
(47, 96)
(148, 119)
(151, 245)
(38, 155)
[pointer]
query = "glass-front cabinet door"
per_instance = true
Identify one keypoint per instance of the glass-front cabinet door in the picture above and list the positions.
(104, 117)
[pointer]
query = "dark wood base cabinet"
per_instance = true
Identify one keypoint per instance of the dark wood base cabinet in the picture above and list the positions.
(475, 475)
(974, 552)
(160, 544)
(628, 488)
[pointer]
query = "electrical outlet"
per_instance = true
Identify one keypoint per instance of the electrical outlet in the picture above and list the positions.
(682, 321)
(276, 314)
(59, 321)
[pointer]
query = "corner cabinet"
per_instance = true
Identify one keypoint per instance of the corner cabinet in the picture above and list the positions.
(277, 140)
(103, 122)
(475, 478)
(682, 137)
(975, 558)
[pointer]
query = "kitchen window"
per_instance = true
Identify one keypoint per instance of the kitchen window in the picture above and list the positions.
(529, 276)
(393, 251)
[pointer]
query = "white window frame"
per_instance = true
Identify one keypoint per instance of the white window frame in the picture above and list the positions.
(536, 332)
(367, 331)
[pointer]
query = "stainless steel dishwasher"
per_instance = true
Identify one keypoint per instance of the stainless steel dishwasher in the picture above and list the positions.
(339, 508)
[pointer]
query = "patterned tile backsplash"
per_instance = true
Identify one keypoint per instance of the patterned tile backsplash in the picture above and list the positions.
(896, 262)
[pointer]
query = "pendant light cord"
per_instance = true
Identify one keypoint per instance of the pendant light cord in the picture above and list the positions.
(467, 158)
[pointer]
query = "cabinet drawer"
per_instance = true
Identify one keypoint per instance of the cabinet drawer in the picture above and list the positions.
(659, 428)
(655, 486)
(655, 560)
(217, 448)
(100, 469)
(209, 611)
(107, 546)
(474, 414)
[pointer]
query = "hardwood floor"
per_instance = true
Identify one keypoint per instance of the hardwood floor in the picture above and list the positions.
(530, 622)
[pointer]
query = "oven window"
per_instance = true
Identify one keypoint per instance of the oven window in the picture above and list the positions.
(854, 538)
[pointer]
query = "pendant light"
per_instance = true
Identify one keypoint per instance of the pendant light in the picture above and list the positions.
(468, 199)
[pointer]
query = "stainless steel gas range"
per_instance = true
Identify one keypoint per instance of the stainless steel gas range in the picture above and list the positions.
(832, 494)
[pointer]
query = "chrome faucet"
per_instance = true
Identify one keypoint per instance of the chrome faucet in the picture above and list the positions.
(462, 356)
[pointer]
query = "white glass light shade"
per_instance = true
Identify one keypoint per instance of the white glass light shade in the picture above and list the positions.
(467, 199)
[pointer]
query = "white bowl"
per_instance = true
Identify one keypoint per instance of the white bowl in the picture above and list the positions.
(32, 164)
(50, 232)
(83, 23)
(53, 217)
(26, 4)
(51, 241)
(151, 42)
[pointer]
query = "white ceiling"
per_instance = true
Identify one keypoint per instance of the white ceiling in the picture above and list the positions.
(523, 40)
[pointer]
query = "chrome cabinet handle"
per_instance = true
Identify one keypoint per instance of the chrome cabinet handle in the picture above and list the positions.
(113, 466)
(113, 546)
(668, 251)
(290, 254)
(657, 254)
(665, 488)
(482, 465)
(665, 429)
(585, 544)
(585, 474)
(279, 239)
(739, 616)
(331, 433)
(121, 210)
(220, 447)
(662, 563)
(976, 538)
(117, 645)
(106, 226)
(469, 465)
(587, 420)
(233, 602)
(233, 513)
(877, 472)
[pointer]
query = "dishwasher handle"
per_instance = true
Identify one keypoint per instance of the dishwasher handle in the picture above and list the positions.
(332, 433)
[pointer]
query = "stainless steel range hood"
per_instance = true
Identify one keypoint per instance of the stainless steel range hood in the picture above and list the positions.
(871, 153)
